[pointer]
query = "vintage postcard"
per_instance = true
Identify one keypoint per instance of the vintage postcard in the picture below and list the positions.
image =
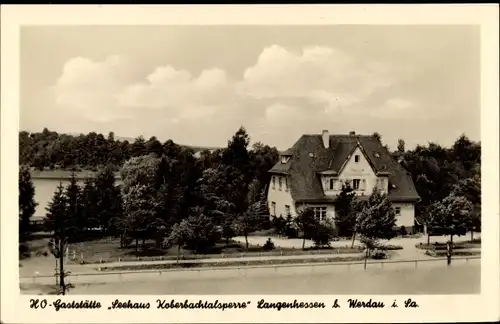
(250, 163)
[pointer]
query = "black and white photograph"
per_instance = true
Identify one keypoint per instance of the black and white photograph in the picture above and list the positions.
(250, 159)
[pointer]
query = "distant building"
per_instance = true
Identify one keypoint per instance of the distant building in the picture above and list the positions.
(312, 172)
(46, 183)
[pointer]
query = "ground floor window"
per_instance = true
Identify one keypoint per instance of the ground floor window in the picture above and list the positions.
(287, 210)
(320, 213)
(398, 211)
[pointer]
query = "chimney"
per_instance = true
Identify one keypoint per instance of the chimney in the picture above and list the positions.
(352, 133)
(326, 138)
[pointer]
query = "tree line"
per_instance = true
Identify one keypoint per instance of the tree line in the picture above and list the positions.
(172, 197)
(218, 194)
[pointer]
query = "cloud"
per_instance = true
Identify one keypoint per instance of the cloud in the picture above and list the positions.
(87, 87)
(316, 73)
(284, 92)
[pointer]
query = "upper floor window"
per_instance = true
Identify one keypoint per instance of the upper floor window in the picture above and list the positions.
(356, 158)
(274, 182)
(332, 184)
(287, 210)
(279, 183)
(398, 211)
(355, 184)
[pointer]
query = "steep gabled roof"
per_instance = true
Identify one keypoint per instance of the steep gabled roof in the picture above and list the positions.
(310, 157)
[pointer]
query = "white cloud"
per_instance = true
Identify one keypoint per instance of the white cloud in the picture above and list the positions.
(317, 73)
(282, 90)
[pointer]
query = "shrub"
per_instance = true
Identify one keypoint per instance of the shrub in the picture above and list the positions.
(324, 234)
(403, 231)
(269, 245)
(390, 247)
(379, 256)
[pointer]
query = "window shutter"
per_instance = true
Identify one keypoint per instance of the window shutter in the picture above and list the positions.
(363, 184)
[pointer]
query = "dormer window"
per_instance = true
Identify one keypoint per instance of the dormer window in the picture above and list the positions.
(284, 159)
(356, 158)
(377, 155)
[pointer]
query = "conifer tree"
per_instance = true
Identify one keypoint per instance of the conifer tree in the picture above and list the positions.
(27, 202)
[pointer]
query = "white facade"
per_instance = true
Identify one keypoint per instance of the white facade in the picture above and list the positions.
(279, 197)
(405, 213)
(358, 172)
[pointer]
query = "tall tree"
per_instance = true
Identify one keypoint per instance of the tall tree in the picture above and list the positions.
(307, 223)
(204, 231)
(451, 216)
(376, 221)
(27, 203)
(108, 199)
(345, 218)
(75, 207)
(90, 203)
(401, 145)
(252, 218)
(59, 223)
(180, 235)
(470, 188)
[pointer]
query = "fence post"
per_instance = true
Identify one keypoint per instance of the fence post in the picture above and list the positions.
(100, 259)
(416, 264)
(119, 260)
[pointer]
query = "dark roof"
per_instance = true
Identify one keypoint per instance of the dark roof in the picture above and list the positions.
(64, 174)
(305, 183)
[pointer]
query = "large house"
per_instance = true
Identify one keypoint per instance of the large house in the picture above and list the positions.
(312, 172)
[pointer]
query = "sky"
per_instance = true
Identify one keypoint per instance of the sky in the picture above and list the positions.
(198, 84)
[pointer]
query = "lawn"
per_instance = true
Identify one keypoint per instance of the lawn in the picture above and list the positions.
(108, 250)
(475, 244)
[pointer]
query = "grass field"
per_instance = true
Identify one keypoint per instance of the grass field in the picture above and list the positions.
(108, 250)
(460, 278)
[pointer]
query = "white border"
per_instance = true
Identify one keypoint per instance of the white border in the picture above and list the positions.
(483, 307)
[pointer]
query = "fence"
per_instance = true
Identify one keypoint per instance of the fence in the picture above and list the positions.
(239, 270)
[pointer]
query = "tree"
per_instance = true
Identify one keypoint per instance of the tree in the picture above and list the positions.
(345, 218)
(140, 217)
(59, 223)
(323, 233)
(252, 218)
(180, 234)
(376, 221)
(470, 188)
(357, 207)
(90, 204)
(278, 223)
(204, 231)
(75, 207)
(452, 216)
(307, 223)
(108, 199)
(401, 145)
(27, 202)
